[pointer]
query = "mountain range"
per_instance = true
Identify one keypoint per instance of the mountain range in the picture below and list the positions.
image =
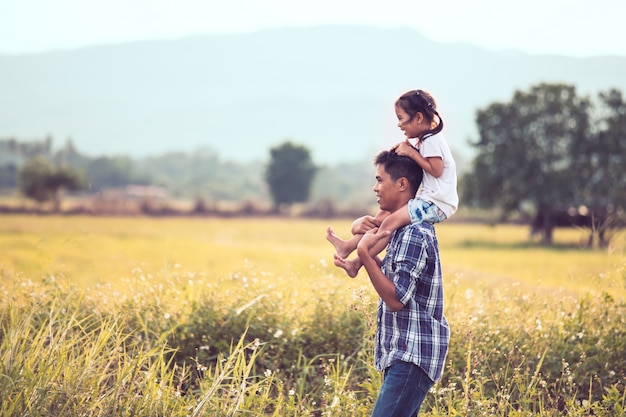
(331, 88)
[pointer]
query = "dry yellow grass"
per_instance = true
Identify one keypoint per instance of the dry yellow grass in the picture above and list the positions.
(523, 317)
(92, 250)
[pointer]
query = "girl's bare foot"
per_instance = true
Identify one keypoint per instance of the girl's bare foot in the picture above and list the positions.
(341, 246)
(351, 266)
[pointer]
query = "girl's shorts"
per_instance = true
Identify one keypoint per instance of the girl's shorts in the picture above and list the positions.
(425, 211)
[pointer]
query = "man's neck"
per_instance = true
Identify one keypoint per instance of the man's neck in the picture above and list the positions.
(400, 206)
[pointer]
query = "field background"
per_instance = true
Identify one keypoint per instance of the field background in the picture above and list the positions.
(91, 250)
(535, 328)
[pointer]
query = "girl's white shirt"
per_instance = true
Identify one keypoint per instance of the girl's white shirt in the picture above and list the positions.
(441, 191)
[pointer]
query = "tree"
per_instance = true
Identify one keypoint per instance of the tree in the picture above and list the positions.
(544, 150)
(115, 171)
(41, 181)
(8, 175)
(599, 165)
(289, 174)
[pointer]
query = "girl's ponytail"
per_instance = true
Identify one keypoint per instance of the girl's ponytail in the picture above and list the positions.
(437, 128)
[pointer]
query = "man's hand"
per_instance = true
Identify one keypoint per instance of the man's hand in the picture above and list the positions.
(368, 240)
(364, 224)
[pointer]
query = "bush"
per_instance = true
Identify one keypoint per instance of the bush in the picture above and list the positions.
(181, 344)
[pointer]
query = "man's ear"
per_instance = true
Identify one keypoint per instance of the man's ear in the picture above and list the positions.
(403, 184)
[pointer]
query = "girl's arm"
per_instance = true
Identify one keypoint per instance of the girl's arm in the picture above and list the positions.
(433, 165)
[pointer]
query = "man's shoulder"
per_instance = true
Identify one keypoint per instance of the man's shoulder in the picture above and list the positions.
(424, 227)
(418, 229)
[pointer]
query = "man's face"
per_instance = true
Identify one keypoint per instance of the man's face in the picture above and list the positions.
(387, 190)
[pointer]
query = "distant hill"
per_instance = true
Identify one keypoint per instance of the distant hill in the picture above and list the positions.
(331, 88)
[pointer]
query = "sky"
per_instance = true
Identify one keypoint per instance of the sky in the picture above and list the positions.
(566, 27)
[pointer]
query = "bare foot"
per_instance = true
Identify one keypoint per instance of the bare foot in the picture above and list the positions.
(341, 246)
(351, 266)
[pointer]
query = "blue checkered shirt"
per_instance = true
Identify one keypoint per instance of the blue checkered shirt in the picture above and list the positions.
(418, 333)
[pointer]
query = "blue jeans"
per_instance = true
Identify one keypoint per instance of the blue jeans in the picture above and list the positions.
(405, 386)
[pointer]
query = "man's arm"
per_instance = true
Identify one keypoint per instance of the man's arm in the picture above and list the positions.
(383, 286)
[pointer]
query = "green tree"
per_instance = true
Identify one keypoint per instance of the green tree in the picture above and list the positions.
(8, 175)
(598, 167)
(612, 150)
(114, 171)
(41, 181)
(543, 150)
(289, 174)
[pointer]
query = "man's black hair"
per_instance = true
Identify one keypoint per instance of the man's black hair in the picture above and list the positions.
(398, 166)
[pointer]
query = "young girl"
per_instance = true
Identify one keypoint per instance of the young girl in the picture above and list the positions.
(436, 200)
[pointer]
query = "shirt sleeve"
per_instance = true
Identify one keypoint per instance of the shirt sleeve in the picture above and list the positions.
(431, 148)
(410, 260)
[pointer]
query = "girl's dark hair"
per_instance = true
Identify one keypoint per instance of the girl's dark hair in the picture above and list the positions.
(419, 101)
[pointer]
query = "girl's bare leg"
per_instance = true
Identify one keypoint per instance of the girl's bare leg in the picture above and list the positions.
(394, 221)
(343, 247)
(351, 266)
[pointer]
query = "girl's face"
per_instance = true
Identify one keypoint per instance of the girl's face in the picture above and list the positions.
(412, 127)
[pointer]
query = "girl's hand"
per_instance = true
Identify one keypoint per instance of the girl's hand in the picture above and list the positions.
(404, 148)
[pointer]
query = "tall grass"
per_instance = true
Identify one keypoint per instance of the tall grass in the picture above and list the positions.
(296, 339)
(65, 353)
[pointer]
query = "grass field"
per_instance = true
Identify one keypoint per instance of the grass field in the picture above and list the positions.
(536, 330)
(92, 250)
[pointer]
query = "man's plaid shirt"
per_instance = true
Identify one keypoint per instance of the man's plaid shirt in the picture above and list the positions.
(419, 333)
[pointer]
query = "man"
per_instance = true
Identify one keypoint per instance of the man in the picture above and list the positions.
(412, 332)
